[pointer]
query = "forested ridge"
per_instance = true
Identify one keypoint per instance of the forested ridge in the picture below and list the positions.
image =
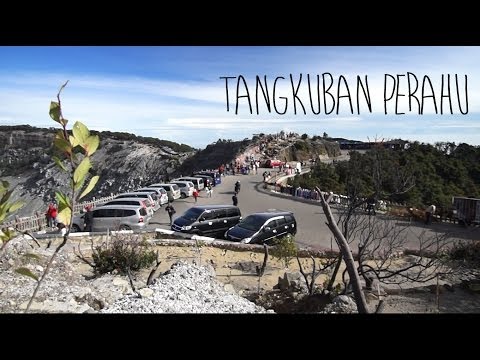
(425, 173)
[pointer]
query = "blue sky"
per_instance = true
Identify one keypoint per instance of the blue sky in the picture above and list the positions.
(175, 93)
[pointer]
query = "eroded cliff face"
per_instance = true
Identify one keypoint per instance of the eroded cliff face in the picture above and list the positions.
(125, 162)
(123, 165)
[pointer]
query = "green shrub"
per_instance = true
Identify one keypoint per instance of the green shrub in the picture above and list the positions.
(123, 256)
(285, 249)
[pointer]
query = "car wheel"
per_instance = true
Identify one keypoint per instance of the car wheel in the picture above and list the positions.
(124, 227)
(75, 228)
(183, 196)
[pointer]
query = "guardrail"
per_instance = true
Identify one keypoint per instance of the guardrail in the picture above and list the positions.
(38, 221)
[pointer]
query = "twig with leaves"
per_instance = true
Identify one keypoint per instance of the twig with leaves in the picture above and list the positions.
(77, 147)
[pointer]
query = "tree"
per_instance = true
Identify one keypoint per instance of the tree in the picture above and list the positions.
(77, 146)
(379, 240)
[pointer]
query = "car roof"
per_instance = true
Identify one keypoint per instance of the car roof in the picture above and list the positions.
(119, 207)
(270, 214)
(212, 207)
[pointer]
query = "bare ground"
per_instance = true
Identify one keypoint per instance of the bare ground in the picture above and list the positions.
(238, 268)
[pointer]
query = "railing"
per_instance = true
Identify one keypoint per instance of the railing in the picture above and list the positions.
(38, 221)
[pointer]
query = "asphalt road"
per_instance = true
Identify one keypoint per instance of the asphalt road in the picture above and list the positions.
(312, 229)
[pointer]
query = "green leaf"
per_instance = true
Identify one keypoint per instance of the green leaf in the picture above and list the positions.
(59, 163)
(91, 144)
(6, 196)
(55, 111)
(80, 132)
(79, 185)
(7, 234)
(91, 184)
(73, 141)
(65, 215)
(15, 206)
(82, 170)
(3, 186)
(62, 199)
(26, 272)
(62, 145)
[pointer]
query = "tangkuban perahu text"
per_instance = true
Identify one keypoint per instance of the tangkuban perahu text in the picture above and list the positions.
(325, 94)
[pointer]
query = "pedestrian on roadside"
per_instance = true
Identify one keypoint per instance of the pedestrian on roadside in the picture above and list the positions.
(429, 212)
(88, 218)
(235, 200)
(195, 194)
(171, 211)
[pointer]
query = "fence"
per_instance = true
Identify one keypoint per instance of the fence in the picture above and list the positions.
(38, 221)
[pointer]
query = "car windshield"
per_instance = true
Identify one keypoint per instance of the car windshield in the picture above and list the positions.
(252, 222)
(192, 214)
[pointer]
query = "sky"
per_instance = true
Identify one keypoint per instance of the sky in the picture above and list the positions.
(177, 93)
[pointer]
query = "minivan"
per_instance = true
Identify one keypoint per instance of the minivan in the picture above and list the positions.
(263, 227)
(114, 217)
(208, 220)
(131, 201)
(162, 197)
(197, 182)
(142, 195)
(186, 188)
(173, 191)
(215, 175)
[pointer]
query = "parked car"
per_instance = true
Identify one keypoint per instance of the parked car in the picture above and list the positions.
(114, 217)
(197, 182)
(133, 202)
(142, 195)
(162, 196)
(263, 227)
(173, 191)
(208, 220)
(186, 188)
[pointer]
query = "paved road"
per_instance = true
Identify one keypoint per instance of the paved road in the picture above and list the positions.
(312, 230)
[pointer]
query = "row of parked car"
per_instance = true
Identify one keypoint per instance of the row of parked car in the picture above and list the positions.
(225, 221)
(133, 210)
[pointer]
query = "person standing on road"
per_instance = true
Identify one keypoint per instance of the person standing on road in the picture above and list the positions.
(235, 200)
(171, 211)
(237, 187)
(195, 194)
(429, 212)
(88, 218)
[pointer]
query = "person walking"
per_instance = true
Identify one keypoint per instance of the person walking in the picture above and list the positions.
(209, 190)
(195, 195)
(171, 211)
(237, 187)
(429, 212)
(235, 200)
(371, 205)
(88, 218)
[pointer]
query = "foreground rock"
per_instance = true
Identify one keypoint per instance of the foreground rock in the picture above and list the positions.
(185, 288)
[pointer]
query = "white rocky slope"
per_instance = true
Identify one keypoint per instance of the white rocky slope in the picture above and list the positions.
(186, 288)
(68, 289)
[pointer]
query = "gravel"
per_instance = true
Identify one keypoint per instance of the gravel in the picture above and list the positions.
(186, 288)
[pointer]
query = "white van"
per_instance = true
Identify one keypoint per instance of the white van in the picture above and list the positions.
(197, 182)
(173, 190)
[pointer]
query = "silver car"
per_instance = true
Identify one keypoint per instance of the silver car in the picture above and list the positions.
(114, 217)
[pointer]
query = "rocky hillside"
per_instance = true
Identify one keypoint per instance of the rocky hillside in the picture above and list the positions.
(126, 162)
(123, 161)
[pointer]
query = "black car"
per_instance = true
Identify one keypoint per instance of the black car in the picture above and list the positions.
(262, 227)
(208, 220)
